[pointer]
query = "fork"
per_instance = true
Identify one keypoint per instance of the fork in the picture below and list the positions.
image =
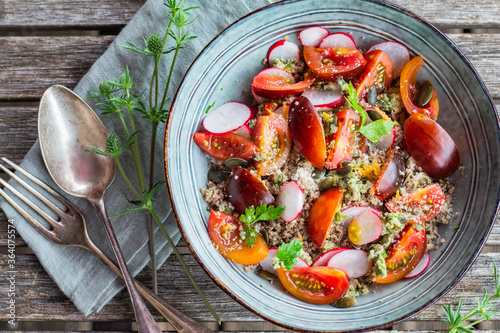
(71, 230)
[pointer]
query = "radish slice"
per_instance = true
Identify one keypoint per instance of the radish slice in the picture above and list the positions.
(325, 257)
(245, 131)
(421, 267)
(283, 49)
(338, 39)
(267, 263)
(227, 118)
(351, 212)
(385, 142)
(278, 72)
(258, 99)
(291, 197)
(365, 228)
(321, 98)
(279, 110)
(354, 262)
(398, 53)
(313, 36)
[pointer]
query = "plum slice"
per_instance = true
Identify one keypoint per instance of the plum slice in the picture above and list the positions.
(243, 190)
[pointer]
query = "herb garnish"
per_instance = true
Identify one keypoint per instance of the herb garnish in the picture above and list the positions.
(288, 254)
(263, 213)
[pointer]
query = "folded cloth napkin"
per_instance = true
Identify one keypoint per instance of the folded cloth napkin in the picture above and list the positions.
(83, 278)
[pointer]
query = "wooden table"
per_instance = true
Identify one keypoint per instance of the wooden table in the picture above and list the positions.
(56, 41)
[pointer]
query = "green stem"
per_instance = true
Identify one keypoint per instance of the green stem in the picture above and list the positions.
(164, 99)
(151, 89)
(475, 323)
(157, 59)
(137, 156)
(151, 225)
(124, 175)
(179, 257)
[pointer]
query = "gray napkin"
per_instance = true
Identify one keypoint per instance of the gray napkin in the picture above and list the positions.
(83, 278)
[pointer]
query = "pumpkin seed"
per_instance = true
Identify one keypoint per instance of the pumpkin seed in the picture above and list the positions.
(372, 96)
(374, 115)
(346, 302)
(345, 169)
(232, 162)
(265, 274)
(424, 93)
(265, 235)
(318, 173)
(326, 184)
(218, 174)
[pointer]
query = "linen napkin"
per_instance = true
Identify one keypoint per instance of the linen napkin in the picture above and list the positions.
(83, 278)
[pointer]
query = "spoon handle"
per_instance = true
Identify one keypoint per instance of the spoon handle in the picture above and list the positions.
(145, 321)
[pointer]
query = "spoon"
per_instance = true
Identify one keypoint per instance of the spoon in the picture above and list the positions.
(66, 126)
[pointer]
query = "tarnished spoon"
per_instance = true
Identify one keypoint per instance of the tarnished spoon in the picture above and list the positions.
(66, 127)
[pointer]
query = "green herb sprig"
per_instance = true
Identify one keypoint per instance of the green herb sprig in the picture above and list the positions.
(288, 254)
(252, 215)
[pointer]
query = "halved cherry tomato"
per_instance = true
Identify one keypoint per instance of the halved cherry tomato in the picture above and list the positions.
(378, 73)
(224, 231)
(404, 254)
(318, 285)
(341, 150)
(322, 214)
(408, 86)
(333, 62)
(272, 136)
(243, 190)
(431, 146)
(391, 176)
(276, 86)
(423, 204)
(225, 146)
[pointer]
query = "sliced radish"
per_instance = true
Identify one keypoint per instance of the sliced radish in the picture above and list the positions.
(313, 36)
(323, 259)
(258, 99)
(421, 267)
(351, 212)
(267, 263)
(291, 197)
(287, 76)
(245, 131)
(280, 110)
(354, 262)
(338, 39)
(227, 118)
(365, 228)
(283, 49)
(398, 53)
(385, 142)
(321, 98)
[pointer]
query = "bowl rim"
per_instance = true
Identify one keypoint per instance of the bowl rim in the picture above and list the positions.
(467, 266)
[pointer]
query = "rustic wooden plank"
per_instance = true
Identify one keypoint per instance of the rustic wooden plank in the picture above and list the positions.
(18, 131)
(55, 14)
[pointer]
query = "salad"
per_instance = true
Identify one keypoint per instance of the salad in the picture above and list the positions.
(337, 176)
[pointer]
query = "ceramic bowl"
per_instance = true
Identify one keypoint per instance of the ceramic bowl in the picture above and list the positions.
(223, 72)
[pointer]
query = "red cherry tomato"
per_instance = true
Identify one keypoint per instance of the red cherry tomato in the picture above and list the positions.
(322, 214)
(333, 62)
(378, 73)
(272, 136)
(431, 146)
(243, 190)
(423, 204)
(404, 254)
(391, 176)
(318, 285)
(225, 146)
(408, 86)
(341, 150)
(276, 86)
(224, 231)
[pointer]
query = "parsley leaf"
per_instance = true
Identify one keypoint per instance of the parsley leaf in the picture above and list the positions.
(374, 130)
(288, 254)
(252, 215)
(352, 99)
(209, 107)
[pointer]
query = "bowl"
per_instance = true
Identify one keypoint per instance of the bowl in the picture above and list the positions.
(223, 72)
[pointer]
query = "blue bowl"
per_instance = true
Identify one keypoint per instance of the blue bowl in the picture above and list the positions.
(466, 111)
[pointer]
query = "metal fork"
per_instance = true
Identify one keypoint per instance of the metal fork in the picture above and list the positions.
(71, 230)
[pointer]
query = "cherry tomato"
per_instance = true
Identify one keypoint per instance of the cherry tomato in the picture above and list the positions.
(307, 131)
(333, 62)
(431, 146)
(378, 73)
(272, 136)
(423, 204)
(224, 231)
(391, 176)
(341, 150)
(408, 86)
(243, 190)
(225, 146)
(318, 285)
(404, 254)
(322, 214)
(276, 86)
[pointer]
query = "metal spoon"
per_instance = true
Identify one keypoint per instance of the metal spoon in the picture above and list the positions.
(66, 126)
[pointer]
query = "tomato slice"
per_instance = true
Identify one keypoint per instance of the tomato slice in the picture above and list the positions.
(341, 150)
(225, 146)
(391, 176)
(276, 86)
(322, 214)
(378, 73)
(318, 285)
(423, 204)
(404, 254)
(224, 231)
(408, 86)
(333, 62)
(273, 137)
